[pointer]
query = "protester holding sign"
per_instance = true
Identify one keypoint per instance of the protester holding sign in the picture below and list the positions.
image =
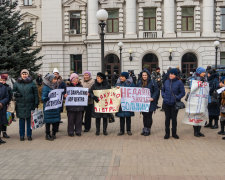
(26, 94)
(4, 99)
(87, 82)
(125, 116)
(51, 116)
(74, 113)
(147, 82)
(100, 84)
(172, 92)
(214, 104)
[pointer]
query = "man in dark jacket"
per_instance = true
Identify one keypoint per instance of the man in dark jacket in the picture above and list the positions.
(4, 99)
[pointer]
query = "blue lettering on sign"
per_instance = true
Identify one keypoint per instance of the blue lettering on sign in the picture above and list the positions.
(135, 107)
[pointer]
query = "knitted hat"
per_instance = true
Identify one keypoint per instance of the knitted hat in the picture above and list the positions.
(200, 70)
(87, 72)
(125, 74)
(73, 76)
(174, 71)
(49, 77)
(25, 71)
(3, 76)
(55, 70)
(101, 75)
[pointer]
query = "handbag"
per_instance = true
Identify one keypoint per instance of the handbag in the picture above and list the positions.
(178, 104)
(37, 119)
(111, 118)
(11, 107)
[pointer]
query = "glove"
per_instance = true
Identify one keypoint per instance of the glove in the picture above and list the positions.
(96, 99)
(1, 106)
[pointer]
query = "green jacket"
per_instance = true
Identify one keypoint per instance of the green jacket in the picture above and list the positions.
(26, 95)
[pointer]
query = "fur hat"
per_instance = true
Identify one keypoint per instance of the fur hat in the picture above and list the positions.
(125, 74)
(174, 71)
(101, 75)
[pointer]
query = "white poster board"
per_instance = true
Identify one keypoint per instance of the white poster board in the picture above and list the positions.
(76, 96)
(56, 99)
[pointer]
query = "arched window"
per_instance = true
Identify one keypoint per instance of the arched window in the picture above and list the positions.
(189, 63)
(150, 61)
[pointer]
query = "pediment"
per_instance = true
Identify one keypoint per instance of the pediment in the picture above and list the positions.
(29, 15)
(75, 2)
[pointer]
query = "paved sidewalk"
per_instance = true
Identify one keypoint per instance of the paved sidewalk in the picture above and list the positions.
(115, 158)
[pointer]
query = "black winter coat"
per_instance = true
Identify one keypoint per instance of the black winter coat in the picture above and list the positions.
(97, 86)
(4, 99)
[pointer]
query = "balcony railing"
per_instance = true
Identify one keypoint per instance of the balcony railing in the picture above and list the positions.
(149, 35)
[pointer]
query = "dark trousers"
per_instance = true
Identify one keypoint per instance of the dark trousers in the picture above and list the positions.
(147, 119)
(54, 128)
(124, 120)
(216, 118)
(74, 122)
(87, 116)
(4, 128)
(22, 127)
(170, 113)
(98, 124)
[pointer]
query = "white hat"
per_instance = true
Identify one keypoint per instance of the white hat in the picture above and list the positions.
(55, 70)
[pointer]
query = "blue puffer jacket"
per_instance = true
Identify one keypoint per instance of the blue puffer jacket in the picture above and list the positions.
(53, 115)
(127, 83)
(152, 85)
(172, 91)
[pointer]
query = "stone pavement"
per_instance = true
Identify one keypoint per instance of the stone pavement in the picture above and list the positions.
(115, 158)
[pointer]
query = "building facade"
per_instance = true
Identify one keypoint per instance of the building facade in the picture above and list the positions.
(154, 32)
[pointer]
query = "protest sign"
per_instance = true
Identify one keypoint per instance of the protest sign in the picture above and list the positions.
(219, 91)
(196, 112)
(37, 119)
(76, 96)
(135, 99)
(109, 100)
(56, 99)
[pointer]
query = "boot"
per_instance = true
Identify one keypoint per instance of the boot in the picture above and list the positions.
(223, 138)
(29, 138)
(5, 135)
(129, 133)
(209, 125)
(143, 132)
(147, 133)
(53, 135)
(49, 137)
(174, 134)
(222, 123)
(2, 142)
(216, 124)
(196, 131)
(167, 135)
(120, 133)
(199, 133)
(22, 138)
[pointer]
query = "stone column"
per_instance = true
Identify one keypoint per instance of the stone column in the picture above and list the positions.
(169, 18)
(92, 20)
(131, 20)
(208, 18)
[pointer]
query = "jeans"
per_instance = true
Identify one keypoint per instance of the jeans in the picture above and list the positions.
(22, 127)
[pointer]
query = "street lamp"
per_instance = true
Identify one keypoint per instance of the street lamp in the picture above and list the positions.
(170, 51)
(120, 44)
(130, 52)
(102, 16)
(216, 44)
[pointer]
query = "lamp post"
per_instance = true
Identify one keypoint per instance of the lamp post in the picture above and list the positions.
(120, 44)
(170, 51)
(102, 16)
(130, 52)
(216, 44)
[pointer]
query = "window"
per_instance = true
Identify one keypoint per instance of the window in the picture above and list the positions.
(222, 19)
(27, 2)
(29, 25)
(222, 58)
(150, 19)
(76, 63)
(75, 23)
(188, 19)
(113, 21)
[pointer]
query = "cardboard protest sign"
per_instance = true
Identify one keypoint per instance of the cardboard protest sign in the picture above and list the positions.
(77, 96)
(37, 119)
(196, 112)
(135, 99)
(109, 100)
(56, 99)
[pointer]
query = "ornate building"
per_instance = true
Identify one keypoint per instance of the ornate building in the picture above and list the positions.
(152, 30)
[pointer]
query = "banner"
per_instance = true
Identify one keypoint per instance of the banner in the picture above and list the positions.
(77, 96)
(109, 100)
(56, 99)
(135, 99)
(37, 119)
(196, 112)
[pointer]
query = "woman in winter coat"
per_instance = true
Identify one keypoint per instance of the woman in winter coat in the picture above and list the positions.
(214, 104)
(172, 91)
(146, 82)
(222, 114)
(52, 116)
(26, 94)
(87, 82)
(100, 84)
(4, 99)
(74, 113)
(125, 116)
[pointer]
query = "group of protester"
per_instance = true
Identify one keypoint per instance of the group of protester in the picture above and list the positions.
(172, 89)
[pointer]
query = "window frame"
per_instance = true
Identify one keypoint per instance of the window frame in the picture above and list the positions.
(27, 2)
(112, 20)
(76, 19)
(223, 52)
(222, 15)
(187, 20)
(149, 20)
(74, 61)
(31, 29)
